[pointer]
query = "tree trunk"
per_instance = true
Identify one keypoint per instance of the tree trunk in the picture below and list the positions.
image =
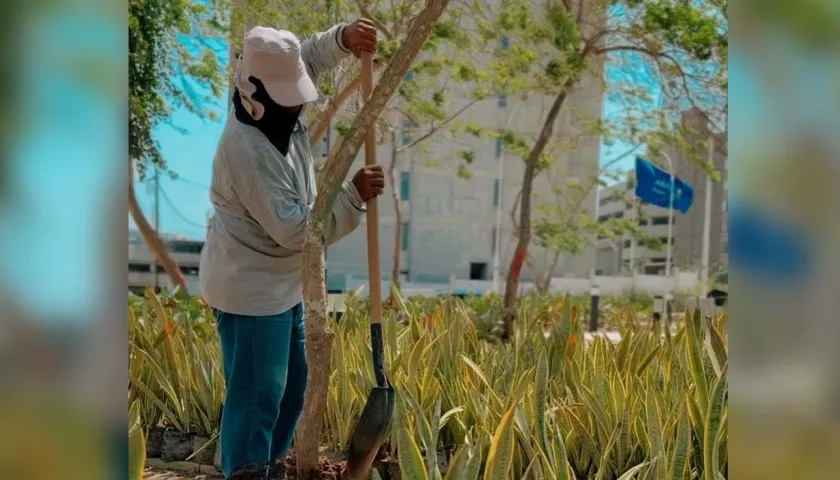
(524, 227)
(318, 336)
(395, 196)
(545, 283)
(151, 237)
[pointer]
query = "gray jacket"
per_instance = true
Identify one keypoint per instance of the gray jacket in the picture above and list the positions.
(251, 261)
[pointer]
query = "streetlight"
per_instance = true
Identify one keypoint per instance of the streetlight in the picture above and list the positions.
(707, 222)
(498, 233)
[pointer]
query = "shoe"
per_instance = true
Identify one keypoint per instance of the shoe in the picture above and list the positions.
(250, 472)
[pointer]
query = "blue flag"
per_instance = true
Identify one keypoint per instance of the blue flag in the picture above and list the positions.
(653, 185)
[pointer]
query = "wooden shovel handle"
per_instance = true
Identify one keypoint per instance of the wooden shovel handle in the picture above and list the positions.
(374, 272)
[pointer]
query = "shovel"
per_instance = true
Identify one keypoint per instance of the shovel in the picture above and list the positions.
(373, 424)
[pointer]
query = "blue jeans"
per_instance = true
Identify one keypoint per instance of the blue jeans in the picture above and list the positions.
(265, 372)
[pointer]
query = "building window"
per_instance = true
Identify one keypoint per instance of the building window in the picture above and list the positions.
(478, 271)
(628, 243)
(605, 200)
(664, 240)
(188, 270)
(405, 185)
(643, 222)
(652, 270)
(139, 267)
(497, 192)
(404, 236)
(187, 247)
(607, 216)
(406, 131)
(498, 147)
(504, 42)
(502, 100)
(659, 220)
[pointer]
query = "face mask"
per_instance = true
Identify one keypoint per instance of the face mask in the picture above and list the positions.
(277, 122)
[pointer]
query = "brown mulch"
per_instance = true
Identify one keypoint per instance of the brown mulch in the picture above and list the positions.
(157, 474)
(331, 469)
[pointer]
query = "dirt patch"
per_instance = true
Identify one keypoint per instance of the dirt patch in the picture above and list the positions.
(157, 474)
(330, 468)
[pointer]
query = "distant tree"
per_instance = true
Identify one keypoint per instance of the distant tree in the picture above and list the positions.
(563, 224)
(554, 46)
(173, 62)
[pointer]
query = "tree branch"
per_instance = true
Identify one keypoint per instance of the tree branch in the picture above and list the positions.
(324, 118)
(406, 115)
(683, 75)
(621, 157)
(150, 236)
(379, 25)
(435, 128)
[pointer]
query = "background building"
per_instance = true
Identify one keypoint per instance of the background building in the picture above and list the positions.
(449, 223)
(687, 235)
(614, 255)
(144, 271)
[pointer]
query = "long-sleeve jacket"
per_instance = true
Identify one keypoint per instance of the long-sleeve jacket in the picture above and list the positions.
(251, 261)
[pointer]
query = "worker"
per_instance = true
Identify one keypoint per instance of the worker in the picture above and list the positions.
(263, 192)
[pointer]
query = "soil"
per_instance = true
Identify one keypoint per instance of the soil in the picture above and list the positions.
(330, 469)
(157, 474)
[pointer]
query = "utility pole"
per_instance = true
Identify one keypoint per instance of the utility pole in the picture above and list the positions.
(157, 225)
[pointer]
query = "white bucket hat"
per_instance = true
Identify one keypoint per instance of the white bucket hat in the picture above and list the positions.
(273, 56)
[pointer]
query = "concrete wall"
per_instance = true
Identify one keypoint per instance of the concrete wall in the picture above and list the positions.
(680, 282)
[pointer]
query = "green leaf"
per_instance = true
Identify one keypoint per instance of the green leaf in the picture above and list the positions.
(629, 474)
(410, 459)
(711, 442)
(695, 361)
(682, 443)
(500, 457)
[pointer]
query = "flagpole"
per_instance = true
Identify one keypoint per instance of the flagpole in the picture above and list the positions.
(707, 223)
(500, 175)
(670, 225)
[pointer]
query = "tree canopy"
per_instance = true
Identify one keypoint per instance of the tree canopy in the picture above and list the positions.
(174, 61)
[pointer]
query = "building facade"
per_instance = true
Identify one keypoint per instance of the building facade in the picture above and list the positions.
(145, 272)
(614, 256)
(448, 222)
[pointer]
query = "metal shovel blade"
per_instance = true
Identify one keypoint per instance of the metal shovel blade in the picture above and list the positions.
(373, 424)
(370, 432)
